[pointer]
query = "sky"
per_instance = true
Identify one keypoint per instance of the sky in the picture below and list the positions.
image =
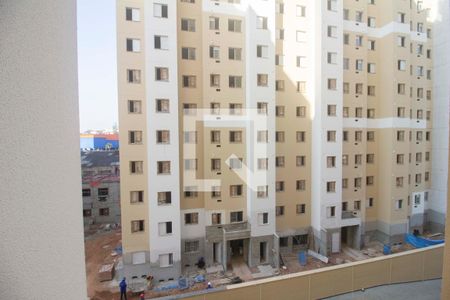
(97, 65)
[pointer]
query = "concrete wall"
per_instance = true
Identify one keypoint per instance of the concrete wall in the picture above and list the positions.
(415, 265)
(41, 227)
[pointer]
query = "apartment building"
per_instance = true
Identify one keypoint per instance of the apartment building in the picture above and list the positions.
(250, 128)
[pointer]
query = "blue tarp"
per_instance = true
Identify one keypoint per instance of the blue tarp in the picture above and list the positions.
(420, 242)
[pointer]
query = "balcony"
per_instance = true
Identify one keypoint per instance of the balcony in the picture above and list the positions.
(234, 231)
(351, 218)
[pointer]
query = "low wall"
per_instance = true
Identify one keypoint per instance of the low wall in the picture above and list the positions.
(414, 265)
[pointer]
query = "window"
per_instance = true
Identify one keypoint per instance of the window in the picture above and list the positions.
(279, 136)
(87, 212)
(191, 246)
(358, 16)
(371, 68)
(263, 218)
(401, 88)
(188, 25)
(234, 53)
(136, 197)
(160, 10)
(215, 136)
(214, 80)
(369, 180)
(280, 8)
(235, 81)
(357, 182)
(279, 161)
(357, 205)
(262, 136)
(346, 14)
(235, 108)
(262, 108)
(215, 193)
(300, 208)
(331, 110)
(236, 190)
(401, 65)
(331, 161)
(300, 36)
(279, 211)
(165, 228)
(358, 136)
(161, 42)
(214, 52)
(301, 62)
(301, 111)
(332, 31)
(399, 204)
(189, 81)
(164, 198)
(300, 160)
(419, 71)
(331, 186)
(235, 136)
(261, 22)
(279, 186)
(191, 218)
(163, 167)
(262, 79)
(262, 191)
(344, 186)
(359, 65)
(358, 41)
(134, 106)
(215, 108)
(332, 5)
(284, 241)
(300, 11)
(345, 159)
(213, 23)
(301, 86)
(135, 137)
(370, 158)
(162, 136)
(188, 53)
(331, 136)
(300, 136)
(263, 163)
(358, 112)
(358, 159)
(370, 136)
(371, 45)
(371, 22)
(133, 45)
(401, 41)
(132, 14)
(399, 181)
(279, 111)
(345, 136)
(332, 57)
(346, 39)
(190, 164)
(234, 25)
(332, 84)
(400, 135)
(279, 85)
(262, 51)
(216, 218)
(331, 211)
(162, 105)
(236, 216)
(134, 76)
(419, 27)
(136, 167)
(371, 113)
(86, 192)
(280, 34)
(401, 17)
(161, 74)
(165, 260)
(300, 185)
(279, 60)
(137, 226)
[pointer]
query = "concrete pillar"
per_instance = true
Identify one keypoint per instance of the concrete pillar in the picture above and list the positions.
(41, 226)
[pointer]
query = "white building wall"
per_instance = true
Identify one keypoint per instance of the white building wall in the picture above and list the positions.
(254, 94)
(41, 232)
(158, 121)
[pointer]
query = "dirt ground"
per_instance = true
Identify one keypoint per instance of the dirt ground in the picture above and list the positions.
(98, 247)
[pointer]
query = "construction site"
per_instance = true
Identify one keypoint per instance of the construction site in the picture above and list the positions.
(103, 251)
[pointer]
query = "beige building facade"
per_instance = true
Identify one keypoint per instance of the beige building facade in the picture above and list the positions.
(254, 128)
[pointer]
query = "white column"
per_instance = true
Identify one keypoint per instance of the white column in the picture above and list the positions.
(41, 226)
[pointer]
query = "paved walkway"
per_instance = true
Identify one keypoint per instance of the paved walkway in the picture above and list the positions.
(241, 269)
(422, 290)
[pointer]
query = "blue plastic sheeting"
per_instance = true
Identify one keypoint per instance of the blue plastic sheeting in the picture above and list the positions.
(199, 278)
(387, 249)
(167, 286)
(420, 242)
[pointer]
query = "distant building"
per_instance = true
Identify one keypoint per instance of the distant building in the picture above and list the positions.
(101, 187)
(99, 141)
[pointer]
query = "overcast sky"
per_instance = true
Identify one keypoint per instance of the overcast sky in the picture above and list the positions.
(97, 67)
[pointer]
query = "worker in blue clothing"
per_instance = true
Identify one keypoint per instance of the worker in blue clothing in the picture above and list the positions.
(123, 289)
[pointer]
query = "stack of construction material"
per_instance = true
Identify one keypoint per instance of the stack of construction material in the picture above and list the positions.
(106, 272)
